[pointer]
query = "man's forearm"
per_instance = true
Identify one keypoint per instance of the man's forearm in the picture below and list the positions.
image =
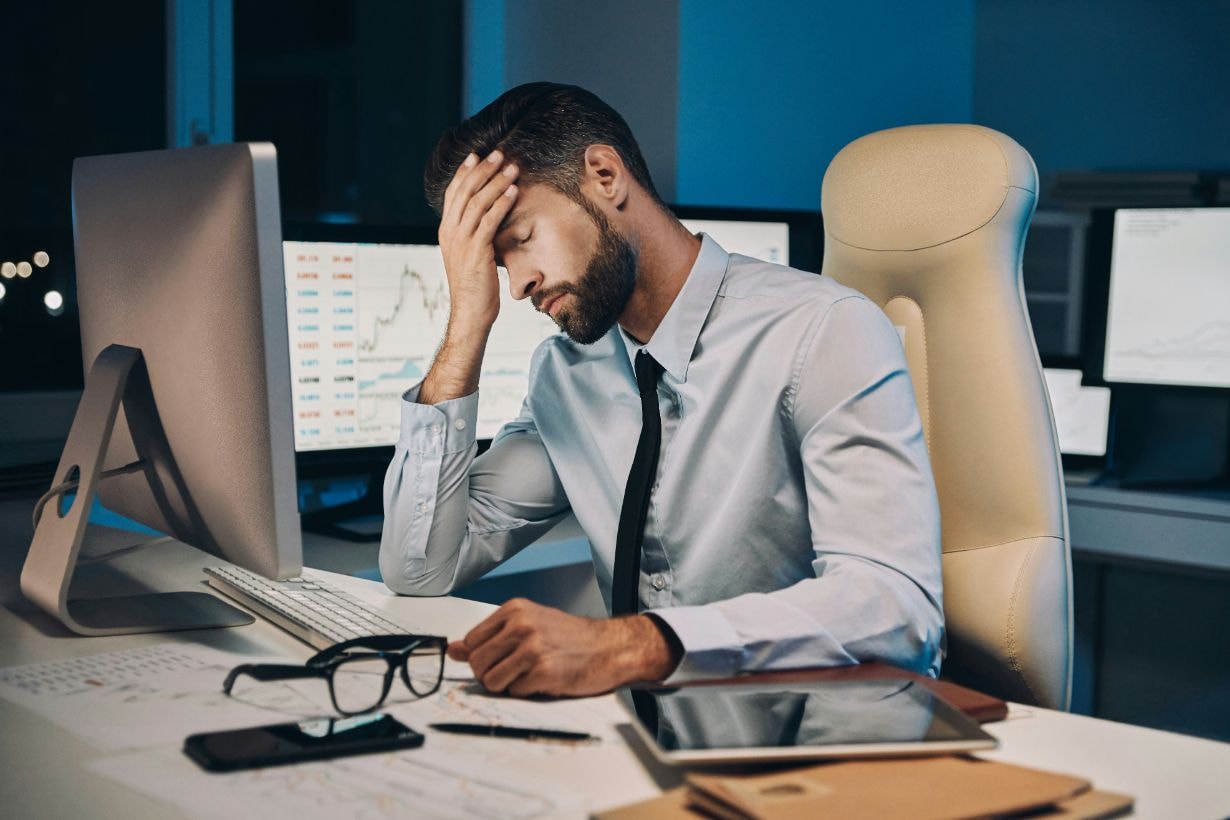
(454, 373)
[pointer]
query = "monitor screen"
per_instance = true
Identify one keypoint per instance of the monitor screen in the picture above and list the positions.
(794, 238)
(1082, 414)
(769, 241)
(1167, 320)
(365, 321)
(366, 318)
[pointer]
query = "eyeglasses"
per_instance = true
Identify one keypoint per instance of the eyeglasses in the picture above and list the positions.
(360, 671)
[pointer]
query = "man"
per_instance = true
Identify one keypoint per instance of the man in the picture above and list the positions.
(738, 440)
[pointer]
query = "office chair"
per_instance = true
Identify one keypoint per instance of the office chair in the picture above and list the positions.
(929, 222)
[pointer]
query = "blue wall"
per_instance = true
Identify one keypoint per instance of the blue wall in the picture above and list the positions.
(483, 66)
(1107, 84)
(769, 92)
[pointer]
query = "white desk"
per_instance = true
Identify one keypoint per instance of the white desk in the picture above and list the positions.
(44, 769)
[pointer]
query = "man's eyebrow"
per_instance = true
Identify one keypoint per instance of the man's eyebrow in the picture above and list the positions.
(511, 221)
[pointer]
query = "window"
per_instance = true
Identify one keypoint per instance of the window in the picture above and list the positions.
(354, 95)
(74, 81)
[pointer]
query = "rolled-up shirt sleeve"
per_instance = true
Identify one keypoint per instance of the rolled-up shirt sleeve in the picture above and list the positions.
(873, 515)
(451, 516)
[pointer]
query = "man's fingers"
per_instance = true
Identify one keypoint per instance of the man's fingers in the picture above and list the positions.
(488, 627)
(530, 683)
(469, 183)
(458, 651)
(491, 196)
(450, 192)
(491, 220)
(509, 669)
(484, 657)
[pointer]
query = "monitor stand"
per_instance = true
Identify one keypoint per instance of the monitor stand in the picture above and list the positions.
(48, 571)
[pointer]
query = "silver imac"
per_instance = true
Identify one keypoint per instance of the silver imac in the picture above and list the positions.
(185, 421)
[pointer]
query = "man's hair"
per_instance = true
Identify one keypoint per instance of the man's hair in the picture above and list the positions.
(544, 128)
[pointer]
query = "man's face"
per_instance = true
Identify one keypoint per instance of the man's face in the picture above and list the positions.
(545, 240)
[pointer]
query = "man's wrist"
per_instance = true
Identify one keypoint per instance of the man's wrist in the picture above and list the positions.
(454, 373)
(468, 326)
(651, 649)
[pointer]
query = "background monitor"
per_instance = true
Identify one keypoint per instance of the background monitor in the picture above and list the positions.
(1052, 269)
(794, 238)
(1167, 319)
(367, 310)
(1082, 414)
(368, 306)
(183, 320)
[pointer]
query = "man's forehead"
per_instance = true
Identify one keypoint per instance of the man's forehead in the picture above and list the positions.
(518, 213)
(532, 199)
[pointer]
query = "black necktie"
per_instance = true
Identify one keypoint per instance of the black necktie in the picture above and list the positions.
(625, 587)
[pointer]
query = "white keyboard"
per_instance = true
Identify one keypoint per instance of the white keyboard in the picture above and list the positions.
(314, 612)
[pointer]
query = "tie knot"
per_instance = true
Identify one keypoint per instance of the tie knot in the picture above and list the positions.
(647, 372)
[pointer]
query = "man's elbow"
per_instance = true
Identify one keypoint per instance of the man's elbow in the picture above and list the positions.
(920, 648)
(414, 577)
(914, 636)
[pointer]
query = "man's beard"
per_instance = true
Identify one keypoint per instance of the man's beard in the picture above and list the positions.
(600, 295)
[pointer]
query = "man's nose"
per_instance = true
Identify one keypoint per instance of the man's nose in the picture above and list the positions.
(522, 282)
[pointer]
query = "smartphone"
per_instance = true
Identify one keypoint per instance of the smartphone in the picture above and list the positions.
(316, 739)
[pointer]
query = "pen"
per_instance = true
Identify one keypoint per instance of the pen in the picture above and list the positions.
(490, 730)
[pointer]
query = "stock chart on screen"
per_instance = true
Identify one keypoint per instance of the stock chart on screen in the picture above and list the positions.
(365, 321)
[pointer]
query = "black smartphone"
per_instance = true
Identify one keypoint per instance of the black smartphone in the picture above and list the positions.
(315, 739)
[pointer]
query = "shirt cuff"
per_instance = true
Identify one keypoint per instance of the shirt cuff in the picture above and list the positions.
(443, 429)
(711, 647)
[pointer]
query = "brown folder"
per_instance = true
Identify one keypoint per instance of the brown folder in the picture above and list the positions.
(940, 788)
(934, 788)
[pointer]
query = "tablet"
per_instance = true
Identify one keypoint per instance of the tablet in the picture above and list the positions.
(748, 723)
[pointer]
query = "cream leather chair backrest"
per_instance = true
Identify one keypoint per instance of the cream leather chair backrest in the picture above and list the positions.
(929, 221)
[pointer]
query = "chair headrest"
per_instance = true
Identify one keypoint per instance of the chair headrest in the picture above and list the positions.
(920, 186)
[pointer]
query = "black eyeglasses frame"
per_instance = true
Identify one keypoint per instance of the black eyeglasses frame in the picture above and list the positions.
(396, 650)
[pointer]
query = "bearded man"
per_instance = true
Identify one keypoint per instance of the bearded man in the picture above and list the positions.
(738, 440)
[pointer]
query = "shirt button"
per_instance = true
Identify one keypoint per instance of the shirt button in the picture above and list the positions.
(422, 507)
(435, 429)
(460, 424)
(659, 583)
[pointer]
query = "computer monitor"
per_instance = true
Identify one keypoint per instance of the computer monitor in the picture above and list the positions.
(1082, 417)
(1052, 270)
(184, 424)
(794, 238)
(1167, 321)
(368, 307)
(367, 310)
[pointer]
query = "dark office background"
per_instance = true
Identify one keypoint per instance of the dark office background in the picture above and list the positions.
(354, 95)
(73, 81)
(736, 104)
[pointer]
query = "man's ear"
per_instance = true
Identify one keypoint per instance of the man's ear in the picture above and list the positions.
(605, 176)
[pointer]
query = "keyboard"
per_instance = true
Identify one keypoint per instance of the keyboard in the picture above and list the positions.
(316, 613)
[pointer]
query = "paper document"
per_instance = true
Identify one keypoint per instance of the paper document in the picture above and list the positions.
(142, 703)
(85, 674)
(154, 696)
(406, 784)
(451, 776)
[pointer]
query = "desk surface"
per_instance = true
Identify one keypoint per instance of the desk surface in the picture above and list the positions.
(44, 770)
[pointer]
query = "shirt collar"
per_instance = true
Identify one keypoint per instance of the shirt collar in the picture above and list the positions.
(675, 339)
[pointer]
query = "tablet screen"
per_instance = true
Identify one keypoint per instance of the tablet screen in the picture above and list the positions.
(851, 718)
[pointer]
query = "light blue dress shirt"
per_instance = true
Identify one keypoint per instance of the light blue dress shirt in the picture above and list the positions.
(794, 520)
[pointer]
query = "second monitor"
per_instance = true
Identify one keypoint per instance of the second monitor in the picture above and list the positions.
(367, 309)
